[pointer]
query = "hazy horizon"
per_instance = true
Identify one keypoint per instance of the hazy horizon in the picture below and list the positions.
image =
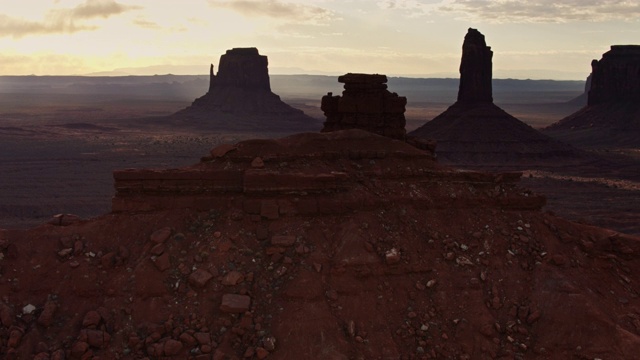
(186, 70)
(540, 39)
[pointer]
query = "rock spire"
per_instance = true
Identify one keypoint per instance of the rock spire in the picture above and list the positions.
(476, 132)
(475, 69)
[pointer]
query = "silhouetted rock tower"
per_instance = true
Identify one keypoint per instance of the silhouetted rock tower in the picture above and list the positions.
(365, 104)
(475, 69)
(240, 98)
(474, 131)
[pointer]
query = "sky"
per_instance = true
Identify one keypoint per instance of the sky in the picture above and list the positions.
(537, 39)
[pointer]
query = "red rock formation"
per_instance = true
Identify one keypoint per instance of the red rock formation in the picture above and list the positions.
(240, 99)
(476, 132)
(338, 245)
(475, 69)
(612, 115)
(616, 77)
(318, 191)
(365, 104)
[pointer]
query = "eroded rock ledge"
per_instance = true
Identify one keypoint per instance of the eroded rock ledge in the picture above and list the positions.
(311, 174)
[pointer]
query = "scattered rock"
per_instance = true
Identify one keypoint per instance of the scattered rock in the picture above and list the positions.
(91, 319)
(199, 278)
(160, 236)
(46, 317)
(232, 278)
(392, 256)
(172, 347)
(233, 303)
(283, 240)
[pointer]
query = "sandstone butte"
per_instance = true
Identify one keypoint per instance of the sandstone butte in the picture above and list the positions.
(475, 131)
(336, 245)
(365, 104)
(611, 117)
(240, 99)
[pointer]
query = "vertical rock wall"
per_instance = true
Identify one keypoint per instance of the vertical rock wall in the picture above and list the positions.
(475, 69)
(616, 77)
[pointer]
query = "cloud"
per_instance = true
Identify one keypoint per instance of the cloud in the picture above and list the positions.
(544, 11)
(414, 8)
(146, 24)
(277, 9)
(67, 20)
(99, 8)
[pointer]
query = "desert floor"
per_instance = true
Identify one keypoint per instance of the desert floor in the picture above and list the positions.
(57, 154)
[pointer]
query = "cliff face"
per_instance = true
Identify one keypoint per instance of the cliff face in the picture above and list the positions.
(616, 77)
(612, 115)
(365, 104)
(475, 69)
(243, 68)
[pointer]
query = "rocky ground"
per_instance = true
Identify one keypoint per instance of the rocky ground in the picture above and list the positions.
(439, 264)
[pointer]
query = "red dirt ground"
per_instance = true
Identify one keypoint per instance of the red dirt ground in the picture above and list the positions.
(432, 266)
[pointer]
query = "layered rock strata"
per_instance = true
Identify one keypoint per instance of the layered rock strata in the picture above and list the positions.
(236, 174)
(365, 104)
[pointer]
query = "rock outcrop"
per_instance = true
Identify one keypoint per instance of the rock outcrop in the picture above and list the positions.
(612, 115)
(251, 171)
(476, 132)
(333, 245)
(240, 99)
(365, 104)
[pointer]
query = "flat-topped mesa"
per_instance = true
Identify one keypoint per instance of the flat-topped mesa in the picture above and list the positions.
(365, 104)
(475, 69)
(242, 68)
(616, 77)
(239, 98)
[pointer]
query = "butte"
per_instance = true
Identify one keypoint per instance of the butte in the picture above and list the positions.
(476, 132)
(240, 99)
(612, 115)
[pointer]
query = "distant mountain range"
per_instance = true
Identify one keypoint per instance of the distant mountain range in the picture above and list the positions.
(189, 87)
(533, 74)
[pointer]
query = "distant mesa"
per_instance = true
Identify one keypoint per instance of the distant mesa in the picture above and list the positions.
(476, 132)
(240, 98)
(612, 115)
(365, 104)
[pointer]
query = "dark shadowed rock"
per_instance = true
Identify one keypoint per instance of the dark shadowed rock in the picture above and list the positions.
(612, 114)
(475, 69)
(240, 99)
(243, 68)
(365, 104)
(476, 132)
(616, 77)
